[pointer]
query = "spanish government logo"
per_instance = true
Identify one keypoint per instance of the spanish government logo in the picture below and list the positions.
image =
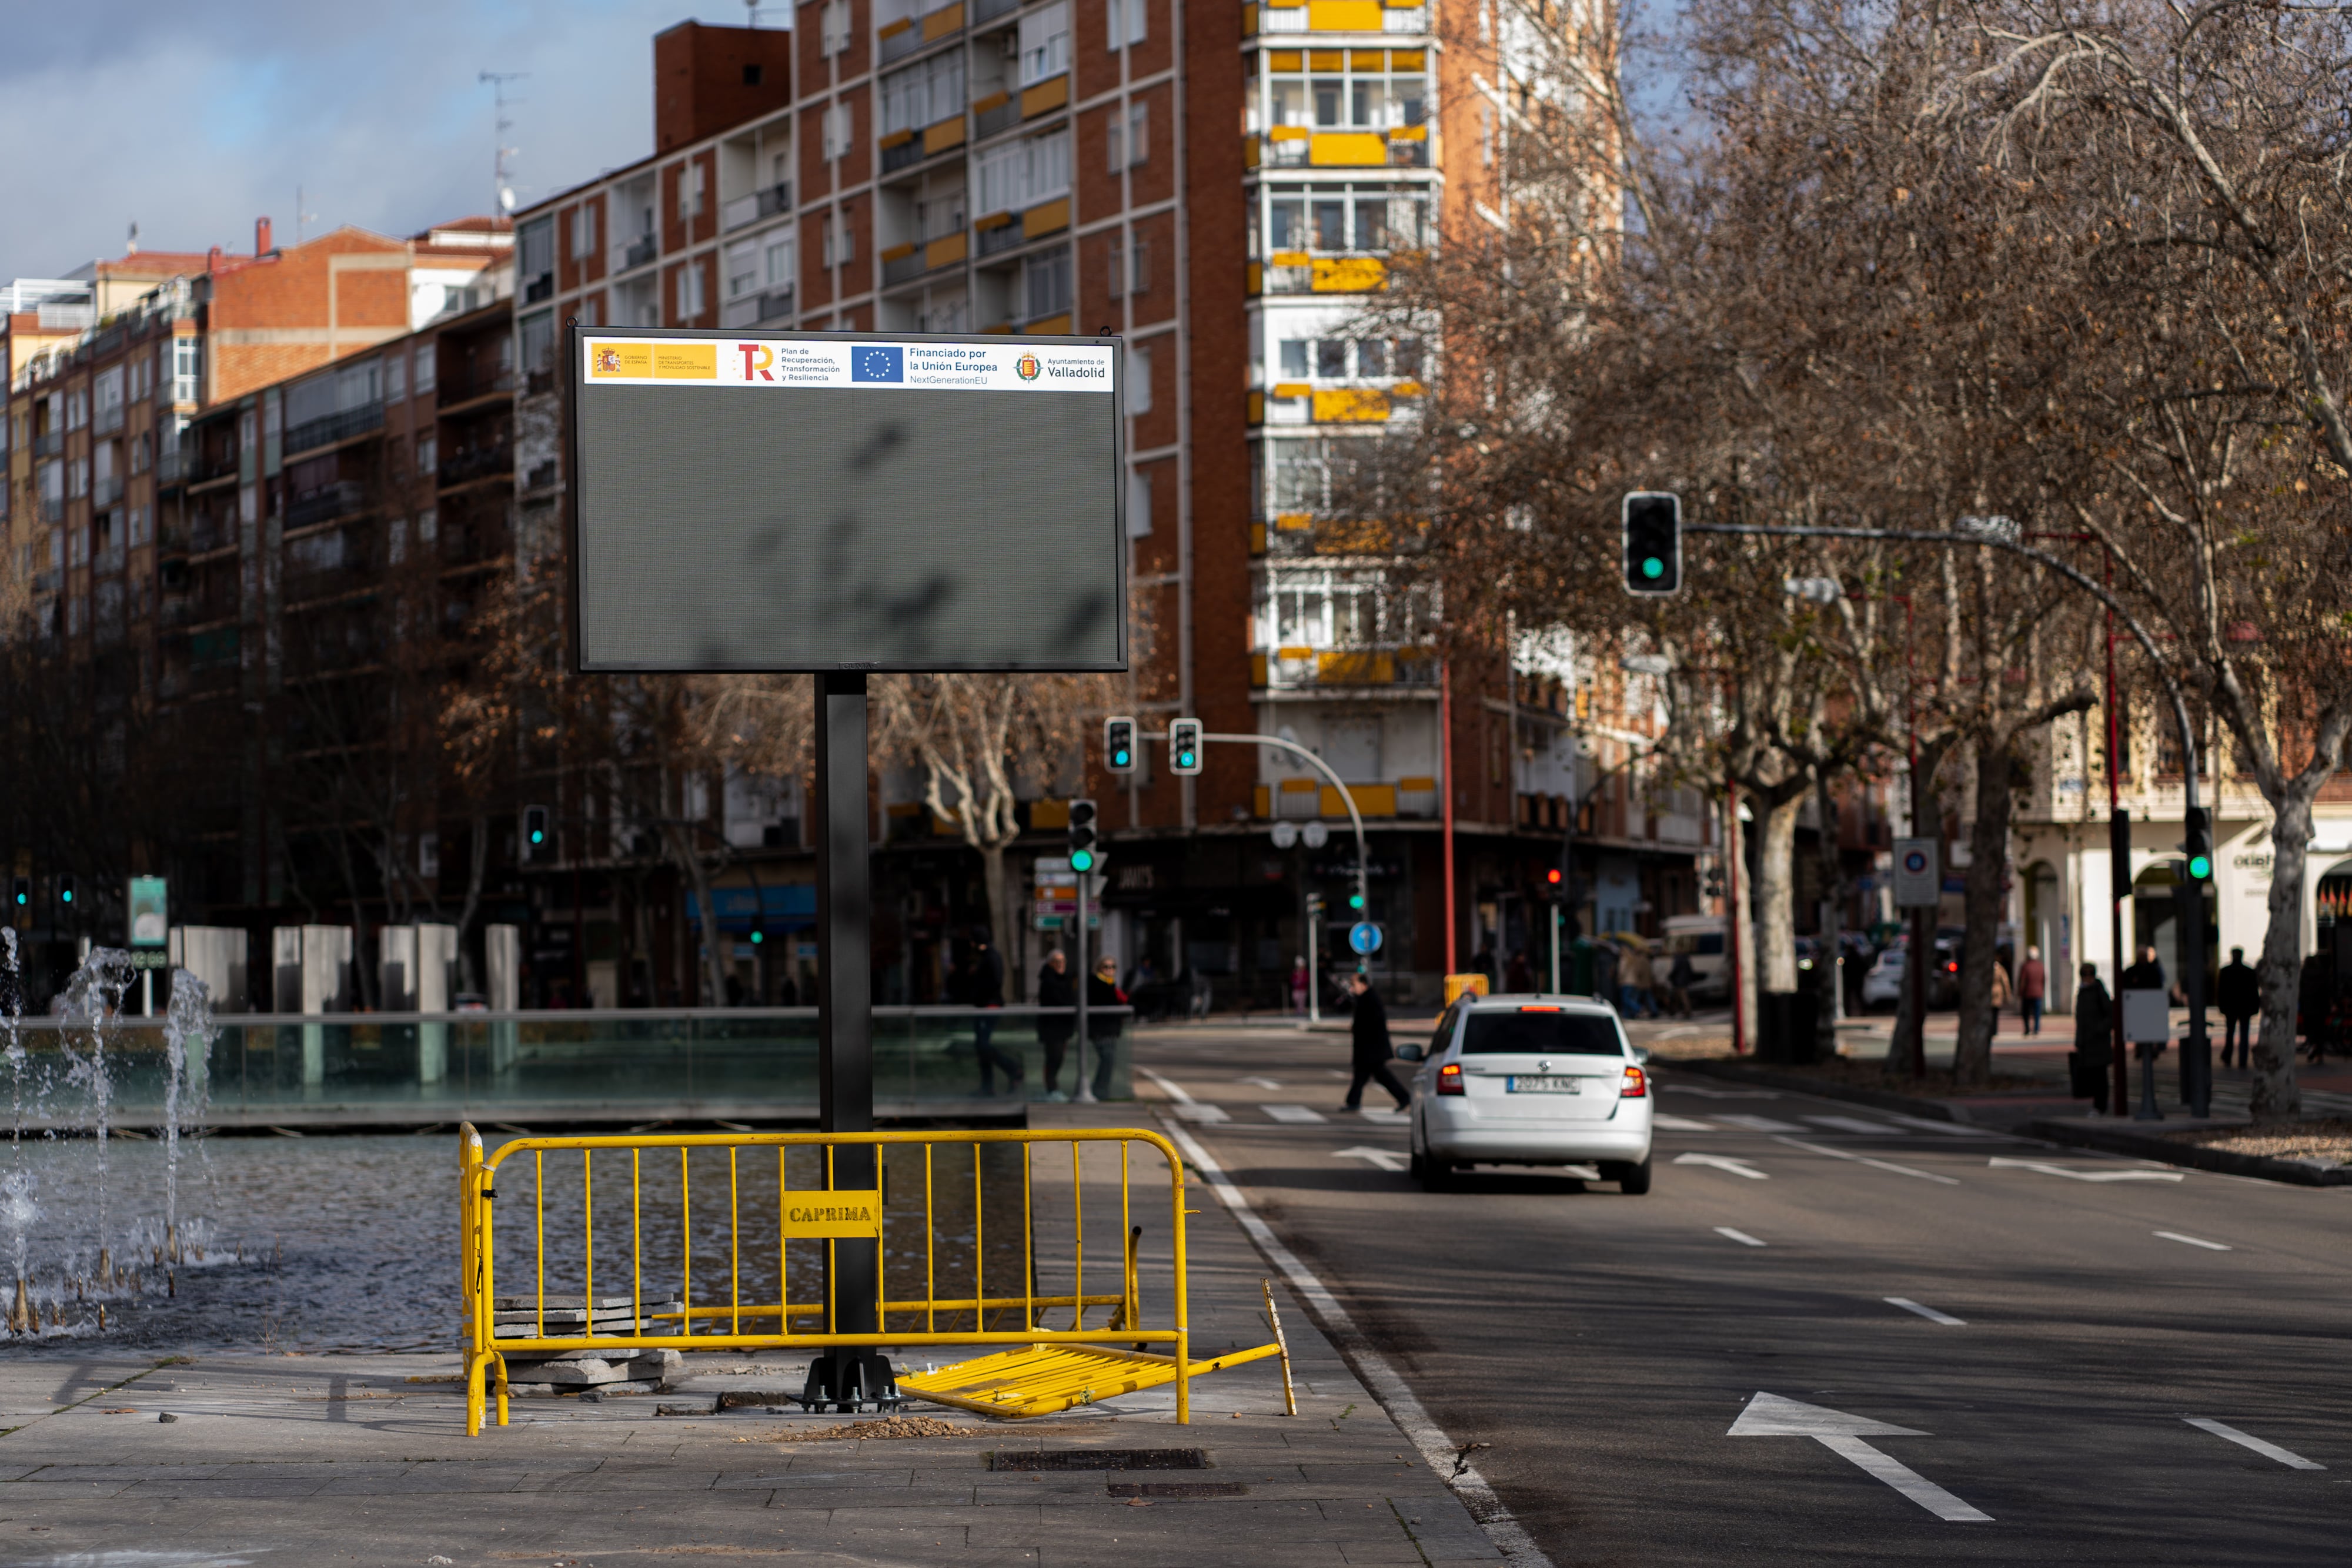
(1026, 367)
(608, 361)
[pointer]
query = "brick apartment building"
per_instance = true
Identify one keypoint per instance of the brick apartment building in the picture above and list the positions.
(1221, 186)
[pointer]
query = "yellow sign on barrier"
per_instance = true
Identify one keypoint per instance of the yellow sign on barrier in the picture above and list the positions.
(531, 1222)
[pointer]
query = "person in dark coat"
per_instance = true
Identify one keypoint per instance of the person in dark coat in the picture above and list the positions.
(2239, 997)
(1103, 1028)
(1369, 1029)
(1055, 989)
(2094, 1036)
(2148, 975)
(983, 988)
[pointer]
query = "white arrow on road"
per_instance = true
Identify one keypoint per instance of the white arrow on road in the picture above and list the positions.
(2084, 1175)
(1770, 1415)
(1387, 1159)
(1724, 1163)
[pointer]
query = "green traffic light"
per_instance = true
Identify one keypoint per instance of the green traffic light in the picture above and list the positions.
(2199, 868)
(1355, 901)
(1653, 568)
(758, 937)
(1082, 860)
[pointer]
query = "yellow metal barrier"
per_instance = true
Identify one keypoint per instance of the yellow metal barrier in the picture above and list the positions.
(660, 1311)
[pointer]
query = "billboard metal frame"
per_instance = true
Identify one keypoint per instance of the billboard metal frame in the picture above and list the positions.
(573, 382)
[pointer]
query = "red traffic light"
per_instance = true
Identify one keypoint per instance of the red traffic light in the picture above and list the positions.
(1552, 876)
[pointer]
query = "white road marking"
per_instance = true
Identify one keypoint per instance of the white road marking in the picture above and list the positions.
(1259, 1082)
(1168, 1086)
(2191, 1241)
(1739, 1236)
(1721, 1162)
(1867, 1160)
(1930, 1313)
(1679, 1087)
(1441, 1453)
(1299, 1113)
(1659, 1119)
(2293, 1461)
(1385, 1115)
(1757, 1124)
(1770, 1415)
(1854, 1124)
(1387, 1159)
(2072, 1175)
(1949, 1129)
(1202, 1113)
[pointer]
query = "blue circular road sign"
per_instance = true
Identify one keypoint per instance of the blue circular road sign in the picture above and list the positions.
(1364, 938)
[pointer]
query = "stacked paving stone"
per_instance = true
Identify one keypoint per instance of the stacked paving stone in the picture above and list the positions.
(613, 1369)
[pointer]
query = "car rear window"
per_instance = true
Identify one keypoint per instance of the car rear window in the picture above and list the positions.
(1540, 1034)
(1704, 942)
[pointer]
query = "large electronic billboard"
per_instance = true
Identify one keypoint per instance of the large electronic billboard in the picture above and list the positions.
(839, 501)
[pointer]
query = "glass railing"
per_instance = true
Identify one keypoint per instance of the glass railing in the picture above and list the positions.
(364, 1069)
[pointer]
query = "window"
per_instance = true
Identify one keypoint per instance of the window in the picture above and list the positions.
(780, 262)
(689, 291)
(107, 393)
(1540, 1034)
(833, 34)
(1024, 174)
(426, 360)
(1374, 217)
(1293, 357)
(742, 269)
(939, 215)
(1131, 143)
(923, 94)
(690, 196)
(1331, 359)
(538, 334)
(395, 375)
(1298, 471)
(1366, 89)
(1124, 24)
(583, 231)
(139, 528)
(1044, 43)
(1045, 284)
(187, 369)
(840, 128)
(1139, 380)
(1138, 505)
(535, 249)
(78, 476)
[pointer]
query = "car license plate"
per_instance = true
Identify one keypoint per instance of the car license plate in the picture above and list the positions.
(1539, 1085)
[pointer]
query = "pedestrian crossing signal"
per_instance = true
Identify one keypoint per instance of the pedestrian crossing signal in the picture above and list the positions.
(1119, 744)
(1184, 746)
(1654, 543)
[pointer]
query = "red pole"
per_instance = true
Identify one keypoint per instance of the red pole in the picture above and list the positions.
(1731, 846)
(1445, 783)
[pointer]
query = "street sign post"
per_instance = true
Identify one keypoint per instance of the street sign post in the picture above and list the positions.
(1364, 938)
(1918, 880)
(147, 907)
(840, 504)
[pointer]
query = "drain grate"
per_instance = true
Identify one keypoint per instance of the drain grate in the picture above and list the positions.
(1098, 1459)
(1178, 1489)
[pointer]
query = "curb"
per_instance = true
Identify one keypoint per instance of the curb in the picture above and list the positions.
(2225, 1162)
(1853, 1094)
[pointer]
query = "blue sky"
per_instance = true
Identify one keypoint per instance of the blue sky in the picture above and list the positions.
(193, 121)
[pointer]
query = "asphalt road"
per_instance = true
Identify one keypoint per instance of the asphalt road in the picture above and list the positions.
(1606, 1345)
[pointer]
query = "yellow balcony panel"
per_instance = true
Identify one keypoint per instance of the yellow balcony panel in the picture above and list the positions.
(896, 251)
(993, 100)
(1298, 785)
(991, 221)
(1405, 59)
(1000, 327)
(1328, 59)
(1417, 786)
(902, 24)
(1262, 800)
(1409, 133)
(1292, 389)
(1249, 21)
(947, 133)
(1286, 60)
(897, 139)
(1291, 522)
(1290, 133)
(1368, 59)
(1353, 539)
(1345, 148)
(1255, 412)
(1295, 654)
(1046, 218)
(946, 251)
(1355, 669)
(1051, 327)
(1350, 274)
(1292, 259)
(1406, 389)
(1255, 282)
(942, 22)
(1250, 155)
(1257, 547)
(1375, 799)
(1045, 96)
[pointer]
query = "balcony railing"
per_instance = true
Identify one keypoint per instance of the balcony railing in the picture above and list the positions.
(49, 444)
(330, 428)
(466, 389)
(332, 501)
(996, 118)
(170, 463)
(106, 421)
(53, 509)
(107, 561)
(752, 310)
(539, 288)
(106, 491)
(638, 252)
(900, 268)
(462, 467)
(776, 198)
(985, 10)
(1293, 669)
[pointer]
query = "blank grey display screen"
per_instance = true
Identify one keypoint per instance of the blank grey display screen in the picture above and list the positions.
(731, 526)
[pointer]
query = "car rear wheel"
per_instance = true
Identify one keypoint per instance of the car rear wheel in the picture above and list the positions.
(1434, 1174)
(1633, 1180)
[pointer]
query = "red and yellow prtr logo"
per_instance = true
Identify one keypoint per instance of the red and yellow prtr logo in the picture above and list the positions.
(608, 361)
(1027, 368)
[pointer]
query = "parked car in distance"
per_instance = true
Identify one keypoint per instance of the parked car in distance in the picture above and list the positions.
(1701, 937)
(1883, 985)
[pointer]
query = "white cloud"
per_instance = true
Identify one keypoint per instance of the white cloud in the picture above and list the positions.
(195, 121)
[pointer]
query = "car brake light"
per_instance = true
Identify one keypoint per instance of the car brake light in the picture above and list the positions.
(1540, 1008)
(1636, 1085)
(1449, 1079)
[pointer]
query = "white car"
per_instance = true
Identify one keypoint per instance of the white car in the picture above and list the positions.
(1883, 985)
(1530, 1080)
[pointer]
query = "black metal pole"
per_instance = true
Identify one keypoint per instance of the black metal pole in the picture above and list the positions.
(847, 1378)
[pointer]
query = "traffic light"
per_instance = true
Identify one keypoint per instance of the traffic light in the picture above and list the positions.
(23, 891)
(1119, 744)
(534, 832)
(759, 930)
(65, 890)
(1184, 746)
(1554, 884)
(1082, 836)
(2198, 840)
(1654, 543)
(1355, 901)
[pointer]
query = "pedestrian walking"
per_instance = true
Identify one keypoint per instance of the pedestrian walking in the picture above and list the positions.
(2239, 997)
(2032, 979)
(2001, 993)
(1636, 982)
(1103, 1027)
(1055, 988)
(1680, 977)
(1299, 983)
(1369, 1033)
(983, 991)
(2095, 1039)
(1604, 970)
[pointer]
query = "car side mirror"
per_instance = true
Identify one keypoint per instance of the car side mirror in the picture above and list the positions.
(1409, 1053)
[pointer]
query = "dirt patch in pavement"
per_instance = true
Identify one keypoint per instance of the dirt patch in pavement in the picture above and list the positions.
(891, 1427)
(2325, 1142)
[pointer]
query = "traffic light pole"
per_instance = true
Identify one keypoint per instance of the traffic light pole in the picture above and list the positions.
(1355, 817)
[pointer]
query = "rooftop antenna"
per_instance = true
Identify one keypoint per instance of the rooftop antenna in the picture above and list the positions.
(302, 215)
(502, 193)
(132, 248)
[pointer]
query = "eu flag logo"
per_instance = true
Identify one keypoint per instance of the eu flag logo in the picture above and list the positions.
(872, 362)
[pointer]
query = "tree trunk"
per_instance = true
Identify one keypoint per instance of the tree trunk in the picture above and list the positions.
(714, 966)
(991, 878)
(477, 849)
(1776, 896)
(2273, 1095)
(1988, 870)
(1739, 930)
